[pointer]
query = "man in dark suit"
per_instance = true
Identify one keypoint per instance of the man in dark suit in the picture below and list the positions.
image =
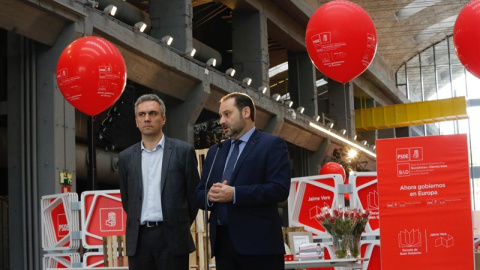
(245, 227)
(158, 177)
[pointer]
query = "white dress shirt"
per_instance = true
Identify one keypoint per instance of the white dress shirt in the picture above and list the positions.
(151, 178)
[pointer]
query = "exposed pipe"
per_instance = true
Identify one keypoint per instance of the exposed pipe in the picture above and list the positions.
(107, 165)
(130, 15)
(205, 52)
(126, 12)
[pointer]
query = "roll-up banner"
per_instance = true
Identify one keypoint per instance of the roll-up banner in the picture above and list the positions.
(425, 203)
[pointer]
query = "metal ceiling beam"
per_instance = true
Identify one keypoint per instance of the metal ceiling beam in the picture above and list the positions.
(30, 21)
(282, 26)
(162, 68)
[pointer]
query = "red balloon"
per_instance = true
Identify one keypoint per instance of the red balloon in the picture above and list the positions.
(335, 168)
(91, 74)
(332, 168)
(341, 40)
(466, 37)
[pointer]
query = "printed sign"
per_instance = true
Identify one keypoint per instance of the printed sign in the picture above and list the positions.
(365, 196)
(102, 215)
(425, 204)
(308, 195)
(111, 219)
(60, 222)
(371, 249)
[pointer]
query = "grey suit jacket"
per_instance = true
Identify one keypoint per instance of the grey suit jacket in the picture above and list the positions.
(178, 182)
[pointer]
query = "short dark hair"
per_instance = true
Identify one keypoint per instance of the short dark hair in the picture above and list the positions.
(151, 97)
(242, 100)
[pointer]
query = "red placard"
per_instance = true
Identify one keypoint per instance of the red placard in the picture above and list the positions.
(60, 223)
(311, 194)
(314, 199)
(60, 261)
(365, 196)
(103, 215)
(93, 259)
(61, 264)
(371, 249)
(425, 204)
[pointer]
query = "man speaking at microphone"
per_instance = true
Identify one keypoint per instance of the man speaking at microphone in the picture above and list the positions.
(245, 178)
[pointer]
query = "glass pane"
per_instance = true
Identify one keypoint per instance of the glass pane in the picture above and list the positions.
(474, 115)
(447, 127)
(459, 83)
(454, 61)
(418, 130)
(473, 86)
(463, 126)
(401, 75)
(476, 190)
(432, 129)
(403, 89)
(441, 53)
(414, 84)
(428, 75)
(444, 86)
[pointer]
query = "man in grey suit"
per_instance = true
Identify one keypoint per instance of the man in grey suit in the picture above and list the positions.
(158, 177)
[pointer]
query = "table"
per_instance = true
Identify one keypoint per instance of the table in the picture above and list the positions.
(351, 263)
(105, 268)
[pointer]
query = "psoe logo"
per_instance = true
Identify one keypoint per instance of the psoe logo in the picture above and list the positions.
(403, 154)
(111, 219)
(417, 153)
(403, 170)
(62, 229)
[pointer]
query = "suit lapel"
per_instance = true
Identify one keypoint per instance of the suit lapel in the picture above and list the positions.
(137, 159)
(220, 162)
(167, 152)
(249, 146)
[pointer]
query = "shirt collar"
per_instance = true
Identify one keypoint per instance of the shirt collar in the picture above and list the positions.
(245, 137)
(160, 144)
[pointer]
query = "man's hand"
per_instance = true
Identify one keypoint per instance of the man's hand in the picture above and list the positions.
(221, 192)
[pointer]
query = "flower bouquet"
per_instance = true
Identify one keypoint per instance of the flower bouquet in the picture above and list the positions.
(346, 227)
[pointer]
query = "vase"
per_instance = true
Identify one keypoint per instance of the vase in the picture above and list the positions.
(341, 245)
(355, 246)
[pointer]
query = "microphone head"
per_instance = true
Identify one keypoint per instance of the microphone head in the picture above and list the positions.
(219, 145)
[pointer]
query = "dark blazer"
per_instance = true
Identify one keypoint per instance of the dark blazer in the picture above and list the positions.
(178, 182)
(261, 179)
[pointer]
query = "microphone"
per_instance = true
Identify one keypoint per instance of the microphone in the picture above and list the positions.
(207, 259)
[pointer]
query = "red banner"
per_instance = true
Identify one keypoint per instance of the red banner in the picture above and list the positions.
(103, 215)
(425, 205)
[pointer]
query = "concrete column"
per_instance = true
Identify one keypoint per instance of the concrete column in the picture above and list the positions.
(250, 47)
(274, 125)
(316, 158)
(41, 140)
(182, 117)
(20, 254)
(56, 118)
(173, 18)
(341, 108)
(302, 82)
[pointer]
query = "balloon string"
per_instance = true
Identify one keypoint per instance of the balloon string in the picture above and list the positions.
(64, 138)
(345, 106)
